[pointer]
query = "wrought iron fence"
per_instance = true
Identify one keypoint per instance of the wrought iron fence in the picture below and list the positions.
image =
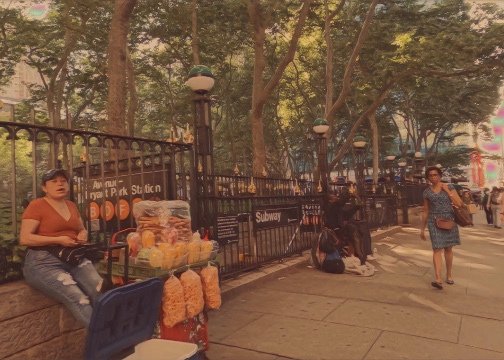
(381, 211)
(379, 204)
(413, 193)
(258, 220)
(111, 173)
(104, 190)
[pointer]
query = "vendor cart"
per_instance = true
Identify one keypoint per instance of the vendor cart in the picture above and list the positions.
(120, 270)
(123, 321)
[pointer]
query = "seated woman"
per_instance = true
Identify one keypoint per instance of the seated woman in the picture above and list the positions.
(50, 226)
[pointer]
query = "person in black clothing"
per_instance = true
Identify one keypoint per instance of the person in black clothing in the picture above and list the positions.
(488, 211)
(340, 219)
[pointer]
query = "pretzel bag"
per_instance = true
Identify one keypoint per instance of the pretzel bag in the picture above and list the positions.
(168, 220)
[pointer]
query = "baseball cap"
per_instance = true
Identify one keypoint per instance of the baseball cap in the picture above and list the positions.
(52, 173)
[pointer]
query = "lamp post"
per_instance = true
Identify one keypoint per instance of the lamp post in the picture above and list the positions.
(359, 147)
(418, 160)
(391, 164)
(200, 81)
(403, 190)
(320, 126)
(402, 165)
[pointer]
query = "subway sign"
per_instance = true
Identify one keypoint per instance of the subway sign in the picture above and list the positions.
(272, 216)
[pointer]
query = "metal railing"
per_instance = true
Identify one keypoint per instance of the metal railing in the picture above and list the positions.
(111, 173)
(237, 204)
(103, 189)
(413, 193)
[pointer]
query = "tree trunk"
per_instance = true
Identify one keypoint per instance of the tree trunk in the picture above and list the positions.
(117, 65)
(376, 153)
(194, 33)
(133, 97)
(261, 93)
(329, 57)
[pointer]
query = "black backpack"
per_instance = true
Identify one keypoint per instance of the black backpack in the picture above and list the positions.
(328, 243)
(333, 264)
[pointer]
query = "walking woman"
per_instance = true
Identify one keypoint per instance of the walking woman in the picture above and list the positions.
(438, 199)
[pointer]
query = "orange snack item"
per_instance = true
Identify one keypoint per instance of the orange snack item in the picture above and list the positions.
(148, 238)
(193, 293)
(173, 303)
(210, 284)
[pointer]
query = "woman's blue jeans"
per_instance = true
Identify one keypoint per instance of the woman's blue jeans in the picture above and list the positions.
(78, 288)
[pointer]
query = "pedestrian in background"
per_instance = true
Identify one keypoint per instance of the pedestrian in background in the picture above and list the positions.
(494, 205)
(488, 211)
(468, 200)
(438, 200)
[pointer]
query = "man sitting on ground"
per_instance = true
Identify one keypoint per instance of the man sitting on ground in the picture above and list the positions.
(340, 219)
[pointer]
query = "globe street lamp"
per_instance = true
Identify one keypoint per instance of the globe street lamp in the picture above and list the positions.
(359, 147)
(200, 81)
(419, 161)
(390, 164)
(402, 165)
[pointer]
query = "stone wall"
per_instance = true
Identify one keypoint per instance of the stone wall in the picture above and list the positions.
(33, 326)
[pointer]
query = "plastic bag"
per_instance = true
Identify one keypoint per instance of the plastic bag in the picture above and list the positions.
(206, 250)
(193, 251)
(210, 284)
(157, 216)
(181, 248)
(193, 293)
(148, 239)
(143, 257)
(155, 257)
(174, 307)
(171, 258)
(134, 241)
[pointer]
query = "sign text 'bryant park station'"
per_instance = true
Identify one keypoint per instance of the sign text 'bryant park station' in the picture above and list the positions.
(116, 197)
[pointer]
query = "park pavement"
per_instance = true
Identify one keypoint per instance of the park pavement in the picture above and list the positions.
(297, 312)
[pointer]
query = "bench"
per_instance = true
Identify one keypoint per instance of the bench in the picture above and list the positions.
(33, 326)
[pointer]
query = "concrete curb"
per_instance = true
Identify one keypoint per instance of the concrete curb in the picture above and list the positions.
(247, 282)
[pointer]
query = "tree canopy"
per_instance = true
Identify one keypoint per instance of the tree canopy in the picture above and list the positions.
(419, 71)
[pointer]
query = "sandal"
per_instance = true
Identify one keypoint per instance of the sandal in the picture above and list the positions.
(437, 285)
(450, 282)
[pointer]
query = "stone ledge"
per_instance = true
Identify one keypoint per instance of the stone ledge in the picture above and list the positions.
(18, 298)
(35, 326)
